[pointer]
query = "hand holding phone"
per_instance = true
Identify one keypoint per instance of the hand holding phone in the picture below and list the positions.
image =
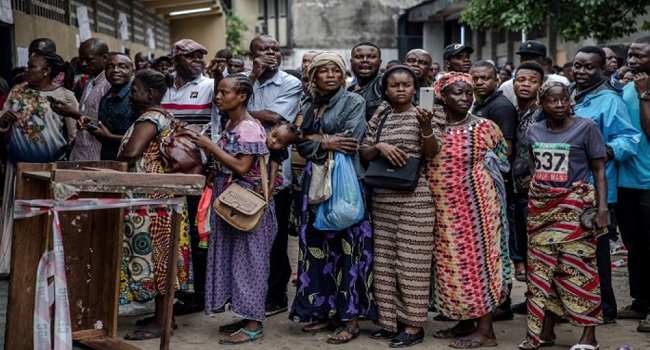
(91, 126)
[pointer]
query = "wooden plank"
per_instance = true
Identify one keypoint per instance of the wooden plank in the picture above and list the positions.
(89, 334)
(91, 181)
(39, 175)
(107, 344)
(101, 164)
(100, 169)
(172, 268)
(29, 243)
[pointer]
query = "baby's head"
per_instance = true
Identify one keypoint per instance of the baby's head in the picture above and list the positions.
(282, 135)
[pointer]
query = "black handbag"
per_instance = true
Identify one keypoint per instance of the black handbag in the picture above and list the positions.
(382, 174)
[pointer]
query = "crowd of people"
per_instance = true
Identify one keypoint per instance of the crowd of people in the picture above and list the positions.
(464, 176)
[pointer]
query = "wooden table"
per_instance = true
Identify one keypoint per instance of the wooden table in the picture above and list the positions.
(92, 241)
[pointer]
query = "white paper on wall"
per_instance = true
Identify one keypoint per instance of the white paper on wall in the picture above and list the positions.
(23, 56)
(84, 23)
(124, 26)
(151, 38)
(6, 15)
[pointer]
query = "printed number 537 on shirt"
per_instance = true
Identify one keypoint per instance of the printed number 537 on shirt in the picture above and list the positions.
(551, 161)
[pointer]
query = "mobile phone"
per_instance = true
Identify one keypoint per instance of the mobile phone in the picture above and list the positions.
(93, 125)
(427, 97)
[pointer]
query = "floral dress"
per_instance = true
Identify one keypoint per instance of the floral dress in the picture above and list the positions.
(146, 232)
(238, 262)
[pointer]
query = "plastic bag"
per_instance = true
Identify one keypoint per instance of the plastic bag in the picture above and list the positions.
(345, 208)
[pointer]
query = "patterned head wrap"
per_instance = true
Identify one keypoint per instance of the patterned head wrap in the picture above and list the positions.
(547, 86)
(450, 78)
(323, 59)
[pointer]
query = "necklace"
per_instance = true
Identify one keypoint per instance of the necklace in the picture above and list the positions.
(459, 122)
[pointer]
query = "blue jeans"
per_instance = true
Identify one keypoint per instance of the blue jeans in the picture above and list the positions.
(517, 217)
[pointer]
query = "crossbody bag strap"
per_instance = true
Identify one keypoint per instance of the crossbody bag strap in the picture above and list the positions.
(265, 179)
(381, 125)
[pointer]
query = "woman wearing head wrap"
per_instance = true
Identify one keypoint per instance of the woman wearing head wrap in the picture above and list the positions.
(334, 267)
(566, 215)
(402, 221)
(37, 134)
(469, 198)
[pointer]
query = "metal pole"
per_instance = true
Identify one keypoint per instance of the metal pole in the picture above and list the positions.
(462, 35)
(523, 36)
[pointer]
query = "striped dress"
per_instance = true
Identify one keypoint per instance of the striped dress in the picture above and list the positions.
(403, 227)
(468, 262)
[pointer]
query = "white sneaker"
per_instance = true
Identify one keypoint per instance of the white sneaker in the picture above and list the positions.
(136, 308)
(617, 248)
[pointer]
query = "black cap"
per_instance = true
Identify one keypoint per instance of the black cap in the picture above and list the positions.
(164, 57)
(455, 49)
(532, 47)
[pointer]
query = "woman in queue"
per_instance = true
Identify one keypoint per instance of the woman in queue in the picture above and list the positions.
(565, 217)
(334, 267)
(147, 234)
(402, 221)
(238, 262)
(469, 198)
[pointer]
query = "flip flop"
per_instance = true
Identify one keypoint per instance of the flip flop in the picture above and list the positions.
(232, 327)
(145, 333)
(473, 343)
(145, 321)
(449, 333)
(528, 345)
(520, 276)
(334, 341)
(585, 347)
(328, 327)
(253, 335)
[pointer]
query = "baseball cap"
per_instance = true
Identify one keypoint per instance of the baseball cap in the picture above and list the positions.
(185, 46)
(532, 47)
(455, 49)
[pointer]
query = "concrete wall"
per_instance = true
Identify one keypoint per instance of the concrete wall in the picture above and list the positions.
(207, 30)
(28, 27)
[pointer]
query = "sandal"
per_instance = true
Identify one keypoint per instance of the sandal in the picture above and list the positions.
(450, 333)
(528, 345)
(252, 335)
(145, 333)
(327, 326)
(520, 276)
(232, 327)
(145, 321)
(405, 339)
(336, 341)
(585, 347)
(472, 343)
(383, 333)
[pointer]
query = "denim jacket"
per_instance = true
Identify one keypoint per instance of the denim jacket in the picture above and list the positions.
(346, 111)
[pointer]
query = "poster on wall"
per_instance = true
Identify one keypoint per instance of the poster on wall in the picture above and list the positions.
(124, 26)
(5, 12)
(151, 39)
(23, 56)
(84, 23)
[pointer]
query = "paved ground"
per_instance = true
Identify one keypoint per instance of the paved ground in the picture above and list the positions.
(198, 331)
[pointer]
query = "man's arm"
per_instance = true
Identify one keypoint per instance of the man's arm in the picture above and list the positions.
(641, 84)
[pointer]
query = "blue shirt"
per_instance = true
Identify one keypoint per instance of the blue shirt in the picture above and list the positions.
(607, 109)
(116, 114)
(635, 172)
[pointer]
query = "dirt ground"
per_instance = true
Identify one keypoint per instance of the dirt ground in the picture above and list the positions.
(198, 331)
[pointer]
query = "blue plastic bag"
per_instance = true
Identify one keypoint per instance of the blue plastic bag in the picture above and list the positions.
(345, 208)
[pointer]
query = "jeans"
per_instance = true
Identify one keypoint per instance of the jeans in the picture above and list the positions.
(611, 229)
(517, 217)
(604, 261)
(633, 213)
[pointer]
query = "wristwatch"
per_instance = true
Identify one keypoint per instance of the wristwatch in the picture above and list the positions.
(644, 96)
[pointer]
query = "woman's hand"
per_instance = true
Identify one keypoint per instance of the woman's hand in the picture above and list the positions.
(8, 118)
(602, 218)
(395, 156)
(61, 108)
(340, 143)
(102, 132)
(202, 141)
(424, 117)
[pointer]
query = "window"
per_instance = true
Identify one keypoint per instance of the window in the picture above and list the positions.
(271, 8)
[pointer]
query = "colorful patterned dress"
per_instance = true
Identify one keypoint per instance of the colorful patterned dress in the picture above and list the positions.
(146, 232)
(468, 258)
(238, 262)
(403, 224)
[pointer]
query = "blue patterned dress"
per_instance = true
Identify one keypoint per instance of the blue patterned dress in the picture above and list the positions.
(238, 262)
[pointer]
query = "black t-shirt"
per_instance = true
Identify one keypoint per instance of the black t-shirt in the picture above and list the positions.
(500, 110)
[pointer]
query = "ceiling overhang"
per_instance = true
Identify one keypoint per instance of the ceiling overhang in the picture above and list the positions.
(188, 8)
